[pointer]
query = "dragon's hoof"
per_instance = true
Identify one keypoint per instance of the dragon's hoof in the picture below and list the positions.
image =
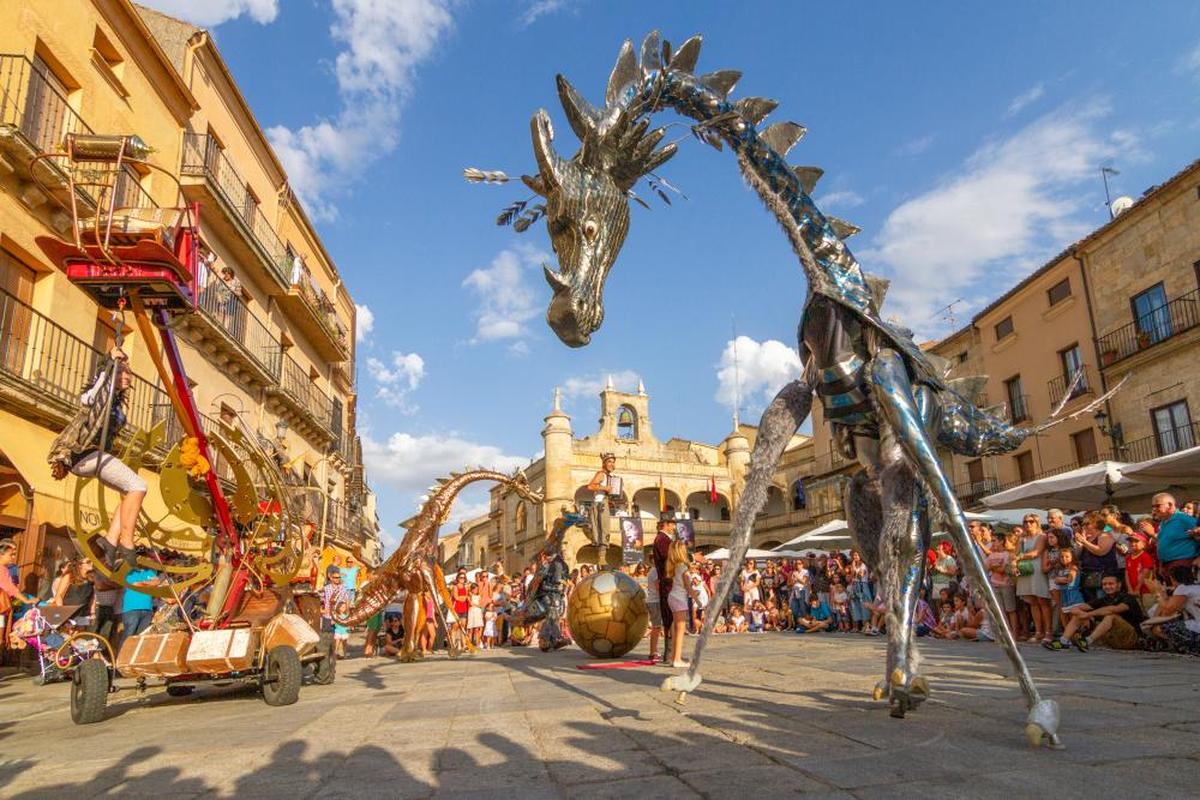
(681, 683)
(880, 691)
(920, 686)
(898, 678)
(1042, 724)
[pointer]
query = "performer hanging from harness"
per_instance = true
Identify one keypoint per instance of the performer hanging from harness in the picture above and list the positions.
(85, 449)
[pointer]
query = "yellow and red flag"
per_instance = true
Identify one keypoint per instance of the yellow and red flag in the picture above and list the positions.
(662, 496)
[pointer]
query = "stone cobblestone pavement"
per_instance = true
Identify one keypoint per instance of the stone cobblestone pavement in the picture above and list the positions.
(778, 715)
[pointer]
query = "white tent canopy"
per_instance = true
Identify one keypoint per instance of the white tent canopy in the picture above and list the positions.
(835, 530)
(722, 554)
(1180, 469)
(1086, 487)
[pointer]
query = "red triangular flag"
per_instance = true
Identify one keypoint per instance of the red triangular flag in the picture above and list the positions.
(712, 489)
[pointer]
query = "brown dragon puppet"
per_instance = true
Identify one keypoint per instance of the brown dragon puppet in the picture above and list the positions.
(414, 568)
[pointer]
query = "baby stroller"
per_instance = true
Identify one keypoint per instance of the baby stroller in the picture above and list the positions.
(60, 647)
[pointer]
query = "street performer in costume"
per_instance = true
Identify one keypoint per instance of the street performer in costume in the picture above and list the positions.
(662, 546)
(546, 598)
(606, 488)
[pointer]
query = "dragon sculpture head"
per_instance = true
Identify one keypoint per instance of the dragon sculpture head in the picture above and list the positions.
(519, 483)
(587, 196)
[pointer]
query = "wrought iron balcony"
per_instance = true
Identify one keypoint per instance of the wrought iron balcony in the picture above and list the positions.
(35, 118)
(44, 369)
(971, 493)
(1155, 327)
(222, 187)
(1163, 443)
(299, 399)
(1058, 386)
(310, 308)
(227, 328)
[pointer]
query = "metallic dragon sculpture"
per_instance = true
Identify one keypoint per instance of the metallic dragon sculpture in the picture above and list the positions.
(889, 404)
(414, 568)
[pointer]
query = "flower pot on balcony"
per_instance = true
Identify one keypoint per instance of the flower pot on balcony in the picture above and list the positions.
(1108, 357)
(1143, 341)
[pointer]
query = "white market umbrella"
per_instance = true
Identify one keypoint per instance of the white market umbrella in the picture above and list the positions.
(821, 533)
(722, 554)
(1177, 469)
(1086, 487)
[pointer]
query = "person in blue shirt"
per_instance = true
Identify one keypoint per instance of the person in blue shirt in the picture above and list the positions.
(350, 577)
(137, 608)
(817, 619)
(1177, 546)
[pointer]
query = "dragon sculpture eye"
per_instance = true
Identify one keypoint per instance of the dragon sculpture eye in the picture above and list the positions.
(590, 229)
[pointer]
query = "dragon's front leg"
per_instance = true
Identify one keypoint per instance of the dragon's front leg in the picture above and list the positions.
(898, 408)
(779, 422)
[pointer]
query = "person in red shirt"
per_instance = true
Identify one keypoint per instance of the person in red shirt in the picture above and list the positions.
(1139, 563)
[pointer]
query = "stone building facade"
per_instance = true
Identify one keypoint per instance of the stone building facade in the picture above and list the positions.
(1122, 301)
(514, 530)
(279, 353)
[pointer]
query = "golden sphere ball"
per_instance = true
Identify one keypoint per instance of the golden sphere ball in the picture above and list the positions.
(607, 614)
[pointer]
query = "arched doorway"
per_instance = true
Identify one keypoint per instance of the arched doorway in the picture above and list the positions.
(700, 507)
(645, 502)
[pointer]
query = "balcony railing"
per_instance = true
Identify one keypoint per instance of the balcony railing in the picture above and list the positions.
(1179, 315)
(971, 493)
(322, 308)
(1058, 386)
(1019, 408)
(52, 367)
(304, 394)
(34, 106)
(230, 313)
(1163, 443)
(203, 157)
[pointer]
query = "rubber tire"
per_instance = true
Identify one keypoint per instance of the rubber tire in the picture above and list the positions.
(283, 676)
(325, 670)
(180, 691)
(89, 692)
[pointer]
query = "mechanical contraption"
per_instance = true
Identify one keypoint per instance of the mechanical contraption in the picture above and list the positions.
(889, 404)
(231, 539)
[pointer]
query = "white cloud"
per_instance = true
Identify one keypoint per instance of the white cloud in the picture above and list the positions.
(1012, 204)
(625, 380)
(536, 9)
(210, 13)
(383, 43)
(365, 320)
(397, 380)
(506, 300)
(915, 147)
(761, 370)
(408, 464)
(843, 199)
(1025, 98)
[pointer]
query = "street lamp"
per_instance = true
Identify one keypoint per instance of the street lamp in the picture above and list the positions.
(1113, 433)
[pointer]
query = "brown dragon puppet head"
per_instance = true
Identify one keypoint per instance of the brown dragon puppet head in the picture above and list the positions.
(587, 196)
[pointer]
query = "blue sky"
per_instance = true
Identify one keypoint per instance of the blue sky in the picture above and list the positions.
(965, 139)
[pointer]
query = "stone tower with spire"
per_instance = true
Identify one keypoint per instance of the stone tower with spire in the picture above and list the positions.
(557, 437)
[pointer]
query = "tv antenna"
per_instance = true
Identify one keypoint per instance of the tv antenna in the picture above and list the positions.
(1104, 173)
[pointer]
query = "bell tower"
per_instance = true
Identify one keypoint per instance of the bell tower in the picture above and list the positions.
(625, 416)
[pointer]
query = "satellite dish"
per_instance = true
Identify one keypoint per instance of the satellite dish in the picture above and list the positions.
(1121, 204)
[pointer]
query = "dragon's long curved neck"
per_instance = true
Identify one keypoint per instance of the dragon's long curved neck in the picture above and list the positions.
(829, 266)
(417, 548)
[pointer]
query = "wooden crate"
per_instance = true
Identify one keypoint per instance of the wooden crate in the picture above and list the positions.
(292, 630)
(154, 655)
(225, 650)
